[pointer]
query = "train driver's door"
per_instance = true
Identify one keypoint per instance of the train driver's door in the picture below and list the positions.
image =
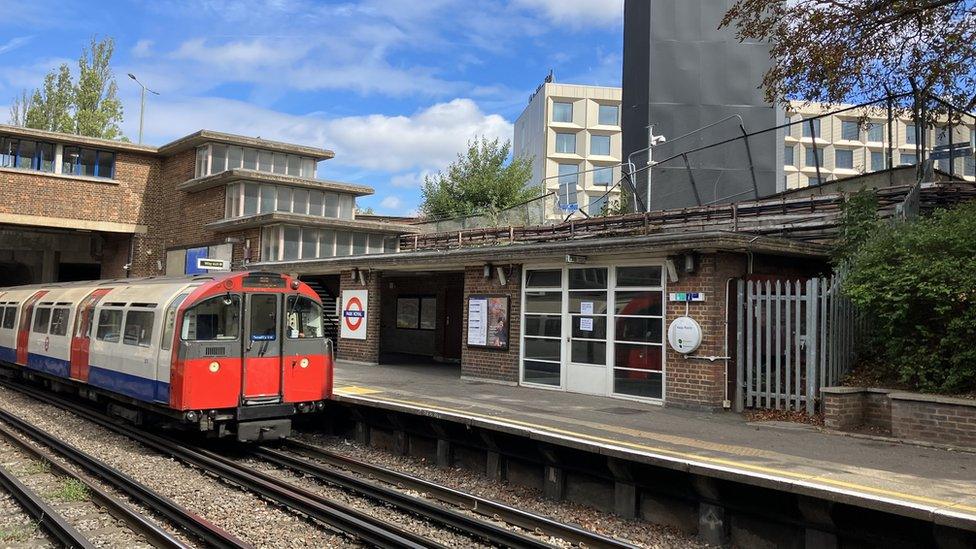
(23, 331)
(81, 335)
(262, 349)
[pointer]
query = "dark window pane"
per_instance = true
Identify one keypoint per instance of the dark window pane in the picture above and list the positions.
(639, 276)
(544, 279)
(638, 329)
(105, 164)
(292, 238)
(638, 303)
(543, 302)
(10, 315)
(599, 327)
(264, 316)
(408, 313)
(212, 319)
(589, 352)
(543, 325)
(309, 242)
(540, 372)
(641, 384)
(45, 153)
(642, 357)
(250, 198)
(25, 155)
(138, 328)
(42, 317)
(59, 321)
(428, 313)
(268, 194)
(110, 325)
(87, 162)
(596, 300)
(545, 349)
(588, 278)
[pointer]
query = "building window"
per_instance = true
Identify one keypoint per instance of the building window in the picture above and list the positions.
(416, 313)
(542, 327)
(850, 130)
(566, 143)
(910, 136)
(788, 158)
(88, 162)
(562, 111)
(816, 127)
(201, 165)
(814, 157)
(568, 184)
(609, 115)
(292, 243)
(969, 166)
(603, 177)
(907, 159)
(875, 132)
(813, 181)
(26, 154)
(600, 145)
(250, 159)
(216, 157)
(844, 158)
(597, 204)
(877, 160)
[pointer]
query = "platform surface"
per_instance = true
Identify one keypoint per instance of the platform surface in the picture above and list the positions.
(930, 483)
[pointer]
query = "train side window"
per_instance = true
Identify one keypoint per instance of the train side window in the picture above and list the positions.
(109, 325)
(304, 318)
(138, 328)
(218, 318)
(3, 311)
(169, 322)
(9, 318)
(59, 321)
(42, 317)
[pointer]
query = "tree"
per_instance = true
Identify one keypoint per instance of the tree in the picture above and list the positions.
(89, 107)
(833, 51)
(479, 181)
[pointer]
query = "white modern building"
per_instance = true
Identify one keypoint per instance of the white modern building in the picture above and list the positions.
(572, 134)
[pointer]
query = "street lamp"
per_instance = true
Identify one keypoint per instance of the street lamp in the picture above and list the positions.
(142, 102)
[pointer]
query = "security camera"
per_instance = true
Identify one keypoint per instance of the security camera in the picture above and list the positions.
(127, 266)
(658, 139)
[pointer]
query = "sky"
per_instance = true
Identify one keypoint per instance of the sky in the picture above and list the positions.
(395, 87)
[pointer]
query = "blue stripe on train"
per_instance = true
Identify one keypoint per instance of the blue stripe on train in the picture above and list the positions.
(140, 388)
(49, 365)
(8, 354)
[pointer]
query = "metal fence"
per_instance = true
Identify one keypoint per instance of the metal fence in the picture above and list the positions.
(793, 338)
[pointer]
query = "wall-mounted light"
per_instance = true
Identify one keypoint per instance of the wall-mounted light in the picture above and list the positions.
(502, 278)
(689, 263)
(487, 271)
(672, 270)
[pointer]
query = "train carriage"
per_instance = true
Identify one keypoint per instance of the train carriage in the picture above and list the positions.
(232, 353)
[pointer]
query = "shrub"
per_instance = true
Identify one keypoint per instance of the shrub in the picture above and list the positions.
(917, 281)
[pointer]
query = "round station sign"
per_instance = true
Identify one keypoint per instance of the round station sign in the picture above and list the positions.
(684, 334)
(353, 313)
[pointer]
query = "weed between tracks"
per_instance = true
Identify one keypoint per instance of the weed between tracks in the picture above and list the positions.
(70, 490)
(19, 533)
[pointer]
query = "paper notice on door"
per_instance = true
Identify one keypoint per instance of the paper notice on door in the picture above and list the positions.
(586, 324)
(586, 308)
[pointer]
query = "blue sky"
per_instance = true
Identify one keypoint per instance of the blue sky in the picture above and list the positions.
(394, 87)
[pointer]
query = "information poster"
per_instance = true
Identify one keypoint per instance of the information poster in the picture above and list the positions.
(488, 321)
(586, 324)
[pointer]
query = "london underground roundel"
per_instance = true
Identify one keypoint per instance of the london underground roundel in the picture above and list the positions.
(354, 314)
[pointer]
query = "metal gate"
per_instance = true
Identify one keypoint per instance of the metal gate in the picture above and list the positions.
(793, 337)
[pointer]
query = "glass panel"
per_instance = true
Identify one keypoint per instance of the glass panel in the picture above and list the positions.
(268, 196)
(408, 313)
(138, 328)
(346, 206)
(876, 132)
(877, 160)
(544, 279)
(543, 302)
(640, 384)
(280, 163)
(214, 319)
(9, 318)
(59, 321)
(294, 165)
(562, 112)
(375, 244)
(234, 157)
(109, 325)
(641, 357)
(844, 158)
(218, 158)
(910, 136)
(250, 198)
(308, 167)
(250, 159)
(269, 239)
(540, 372)
(597, 327)
(105, 164)
(169, 323)
(850, 130)
(300, 201)
(315, 201)
(25, 154)
(8, 152)
(566, 143)
(284, 199)
(609, 115)
(588, 278)
(589, 352)
(45, 157)
(638, 303)
(331, 205)
(788, 159)
(359, 243)
(309, 243)
(428, 313)
(600, 144)
(603, 177)
(86, 163)
(265, 160)
(638, 329)
(42, 317)
(70, 158)
(639, 276)
(816, 128)
(343, 243)
(596, 302)
(545, 349)
(543, 325)
(264, 317)
(390, 244)
(907, 159)
(201, 166)
(814, 160)
(327, 243)
(292, 238)
(304, 318)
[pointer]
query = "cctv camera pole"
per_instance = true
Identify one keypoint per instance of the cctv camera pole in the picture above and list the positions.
(142, 102)
(650, 163)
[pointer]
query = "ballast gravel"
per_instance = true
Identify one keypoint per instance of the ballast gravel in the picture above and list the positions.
(640, 533)
(250, 518)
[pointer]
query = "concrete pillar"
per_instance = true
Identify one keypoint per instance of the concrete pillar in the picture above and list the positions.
(625, 499)
(713, 528)
(362, 433)
(817, 512)
(495, 466)
(818, 539)
(49, 266)
(554, 483)
(444, 457)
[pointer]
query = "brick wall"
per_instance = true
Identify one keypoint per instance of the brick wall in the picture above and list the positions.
(363, 350)
(934, 419)
(487, 363)
(843, 407)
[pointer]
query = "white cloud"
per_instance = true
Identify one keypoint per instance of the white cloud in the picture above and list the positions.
(410, 180)
(391, 203)
(579, 13)
(14, 43)
(143, 48)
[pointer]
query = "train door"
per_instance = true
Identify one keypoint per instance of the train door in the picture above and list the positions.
(23, 330)
(262, 349)
(164, 354)
(81, 335)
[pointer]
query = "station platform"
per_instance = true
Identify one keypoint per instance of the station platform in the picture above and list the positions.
(925, 483)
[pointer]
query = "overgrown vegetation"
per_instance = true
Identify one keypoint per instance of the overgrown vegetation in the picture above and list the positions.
(70, 489)
(917, 281)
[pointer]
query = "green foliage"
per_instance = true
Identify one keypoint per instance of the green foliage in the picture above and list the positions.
(479, 181)
(616, 206)
(70, 489)
(918, 282)
(859, 221)
(89, 106)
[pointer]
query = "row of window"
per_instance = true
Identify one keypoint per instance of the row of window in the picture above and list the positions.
(844, 158)
(291, 242)
(566, 144)
(214, 158)
(244, 199)
(416, 313)
(608, 115)
(27, 154)
(874, 132)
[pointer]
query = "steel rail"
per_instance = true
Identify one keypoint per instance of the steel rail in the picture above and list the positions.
(369, 529)
(156, 535)
(42, 512)
(507, 513)
(195, 524)
(467, 524)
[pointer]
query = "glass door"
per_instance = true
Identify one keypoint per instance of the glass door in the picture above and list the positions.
(542, 327)
(638, 332)
(587, 340)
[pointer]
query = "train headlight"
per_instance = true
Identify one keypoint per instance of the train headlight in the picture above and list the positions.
(303, 363)
(214, 366)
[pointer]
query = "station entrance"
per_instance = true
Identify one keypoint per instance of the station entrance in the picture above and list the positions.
(421, 318)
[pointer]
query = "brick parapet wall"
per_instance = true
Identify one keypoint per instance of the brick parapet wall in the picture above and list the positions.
(487, 363)
(363, 350)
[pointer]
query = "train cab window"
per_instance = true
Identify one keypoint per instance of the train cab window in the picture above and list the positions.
(264, 317)
(217, 318)
(9, 317)
(169, 322)
(109, 325)
(138, 328)
(59, 321)
(42, 317)
(304, 318)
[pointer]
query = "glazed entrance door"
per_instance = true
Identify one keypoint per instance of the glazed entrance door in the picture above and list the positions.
(586, 341)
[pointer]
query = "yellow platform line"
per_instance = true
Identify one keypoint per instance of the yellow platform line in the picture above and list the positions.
(683, 455)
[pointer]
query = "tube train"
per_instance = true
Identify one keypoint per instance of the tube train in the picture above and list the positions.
(228, 354)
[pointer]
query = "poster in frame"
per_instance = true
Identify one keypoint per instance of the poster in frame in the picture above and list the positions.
(488, 322)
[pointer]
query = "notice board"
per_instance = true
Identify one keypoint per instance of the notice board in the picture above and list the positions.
(488, 321)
